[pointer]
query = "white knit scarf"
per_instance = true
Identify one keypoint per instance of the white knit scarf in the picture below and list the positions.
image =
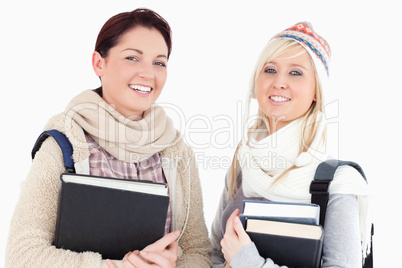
(263, 161)
(125, 139)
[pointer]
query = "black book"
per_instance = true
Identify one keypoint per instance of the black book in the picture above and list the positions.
(110, 216)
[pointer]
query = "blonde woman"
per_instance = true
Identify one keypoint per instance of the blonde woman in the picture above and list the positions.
(282, 149)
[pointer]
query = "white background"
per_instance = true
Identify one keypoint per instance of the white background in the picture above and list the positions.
(46, 51)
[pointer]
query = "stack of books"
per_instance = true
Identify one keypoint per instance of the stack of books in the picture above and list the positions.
(287, 233)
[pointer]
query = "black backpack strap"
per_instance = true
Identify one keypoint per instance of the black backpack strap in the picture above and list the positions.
(319, 187)
(368, 261)
(64, 144)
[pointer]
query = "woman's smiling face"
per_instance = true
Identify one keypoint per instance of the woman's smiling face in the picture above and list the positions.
(134, 72)
(286, 87)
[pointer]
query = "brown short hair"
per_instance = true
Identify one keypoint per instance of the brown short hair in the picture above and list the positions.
(119, 24)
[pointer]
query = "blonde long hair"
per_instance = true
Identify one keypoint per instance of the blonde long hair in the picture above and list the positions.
(310, 119)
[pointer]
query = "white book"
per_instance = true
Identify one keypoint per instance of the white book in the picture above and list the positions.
(147, 187)
(282, 211)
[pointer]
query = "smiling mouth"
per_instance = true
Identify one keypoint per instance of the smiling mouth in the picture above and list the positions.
(141, 89)
(279, 99)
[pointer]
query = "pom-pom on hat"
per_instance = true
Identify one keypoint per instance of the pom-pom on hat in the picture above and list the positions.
(317, 46)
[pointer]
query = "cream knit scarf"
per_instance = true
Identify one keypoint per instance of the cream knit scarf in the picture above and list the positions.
(125, 139)
(263, 161)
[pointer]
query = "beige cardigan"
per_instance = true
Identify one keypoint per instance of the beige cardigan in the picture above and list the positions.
(32, 227)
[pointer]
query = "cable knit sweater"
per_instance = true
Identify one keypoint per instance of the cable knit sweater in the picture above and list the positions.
(32, 227)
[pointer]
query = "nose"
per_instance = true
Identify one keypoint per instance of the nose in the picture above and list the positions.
(280, 81)
(146, 71)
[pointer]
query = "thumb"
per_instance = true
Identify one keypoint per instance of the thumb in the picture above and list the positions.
(167, 240)
(229, 222)
(241, 233)
(110, 264)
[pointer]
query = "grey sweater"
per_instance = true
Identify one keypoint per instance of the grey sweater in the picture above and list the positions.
(341, 248)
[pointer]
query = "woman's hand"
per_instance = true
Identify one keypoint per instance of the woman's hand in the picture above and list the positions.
(235, 237)
(162, 253)
(166, 247)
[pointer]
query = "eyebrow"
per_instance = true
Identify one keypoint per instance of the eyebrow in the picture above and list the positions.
(141, 52)
(292, 65)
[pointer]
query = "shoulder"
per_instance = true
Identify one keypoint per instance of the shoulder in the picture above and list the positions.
(347, 171)
(347, 180)
(74, 133)
(178, 149)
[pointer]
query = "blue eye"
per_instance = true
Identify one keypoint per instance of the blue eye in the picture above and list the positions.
(296, 73)
(270, 70)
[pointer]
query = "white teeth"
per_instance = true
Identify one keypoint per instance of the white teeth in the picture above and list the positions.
(142, 89)
(278, 98)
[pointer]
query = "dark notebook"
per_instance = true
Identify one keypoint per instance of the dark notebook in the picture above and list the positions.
(291, 244)
(109, 216)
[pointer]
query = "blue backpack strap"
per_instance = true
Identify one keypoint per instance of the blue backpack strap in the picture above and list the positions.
(64, 144)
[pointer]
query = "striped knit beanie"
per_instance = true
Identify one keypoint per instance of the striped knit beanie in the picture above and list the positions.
(317, 46)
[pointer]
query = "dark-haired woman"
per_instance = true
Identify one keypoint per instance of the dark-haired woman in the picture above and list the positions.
(117, 131)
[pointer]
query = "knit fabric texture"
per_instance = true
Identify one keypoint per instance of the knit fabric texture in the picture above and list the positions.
(303, 33)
